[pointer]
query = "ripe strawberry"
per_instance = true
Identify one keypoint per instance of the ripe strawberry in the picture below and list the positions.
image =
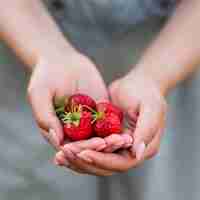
(81, 99)
(78, 125)
(107, 124)
(107, 107)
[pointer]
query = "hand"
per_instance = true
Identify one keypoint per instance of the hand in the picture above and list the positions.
(74, 155)
(62, 76)
(141, 98)
(59, 76)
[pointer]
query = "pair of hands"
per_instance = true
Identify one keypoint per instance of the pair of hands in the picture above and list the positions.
(137, 94)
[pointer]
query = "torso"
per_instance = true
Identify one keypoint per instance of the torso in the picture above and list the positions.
(93, 23)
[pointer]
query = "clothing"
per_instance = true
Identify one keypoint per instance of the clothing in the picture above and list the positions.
(26, 172)
(94, 24)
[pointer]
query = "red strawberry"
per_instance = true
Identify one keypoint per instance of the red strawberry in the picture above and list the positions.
(107, 107)
(78, 125)
(81, 99)
(107, 124)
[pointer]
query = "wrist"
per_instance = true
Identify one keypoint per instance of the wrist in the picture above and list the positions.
(154, 77)
(56, 55)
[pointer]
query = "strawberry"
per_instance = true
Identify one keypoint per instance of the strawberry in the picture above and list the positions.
(107, 107)
(81, 99)
(77, 125)
(107, 124)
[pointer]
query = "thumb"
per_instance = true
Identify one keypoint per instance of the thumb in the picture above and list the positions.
(93, 85)
(43, 111)
(122, 96)
(147, 125)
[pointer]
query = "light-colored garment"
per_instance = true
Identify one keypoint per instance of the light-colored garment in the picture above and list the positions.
(26, 173)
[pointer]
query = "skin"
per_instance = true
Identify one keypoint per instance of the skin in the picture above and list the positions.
(47, 55)
(171, 58)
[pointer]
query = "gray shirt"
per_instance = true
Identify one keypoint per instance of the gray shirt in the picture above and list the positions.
(26, 171)
(91, 24)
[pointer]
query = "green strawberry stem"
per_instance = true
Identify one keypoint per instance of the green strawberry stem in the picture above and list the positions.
(96, 115)
(71, 117)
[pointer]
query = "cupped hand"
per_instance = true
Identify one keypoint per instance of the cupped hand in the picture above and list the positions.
(74, 155)
(58, 76)
(142, 99)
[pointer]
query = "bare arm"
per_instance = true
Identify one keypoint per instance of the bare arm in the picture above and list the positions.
(28, 29)
(176, 51)
(58, 68)
(171, 58)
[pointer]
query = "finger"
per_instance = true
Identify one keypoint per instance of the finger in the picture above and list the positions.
(88, 87)
(49, 137)
(108, 161)
(132, 122)
(42, 105)
(113, 142)
(70, 150)
(128, 138)
(148, 124)
(90, 168)
(59, 160)
(120, 99)
(153, 148)
(81, 166)
(76, 147)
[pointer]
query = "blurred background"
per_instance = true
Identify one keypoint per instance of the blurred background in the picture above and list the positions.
(26, 170)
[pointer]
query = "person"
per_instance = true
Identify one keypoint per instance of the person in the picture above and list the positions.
(59, 66)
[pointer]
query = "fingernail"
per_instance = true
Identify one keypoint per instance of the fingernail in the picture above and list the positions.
(68, 153)
(85, 157)
(54, 137)
(140, 149)
(101, 147)
(128, 140)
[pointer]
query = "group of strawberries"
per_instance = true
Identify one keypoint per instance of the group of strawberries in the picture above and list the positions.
(83, 118)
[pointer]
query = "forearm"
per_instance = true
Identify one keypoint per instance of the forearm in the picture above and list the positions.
(176, 51)
(29, 30)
